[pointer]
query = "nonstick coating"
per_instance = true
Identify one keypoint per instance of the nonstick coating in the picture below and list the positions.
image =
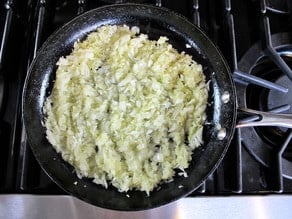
(155, 22)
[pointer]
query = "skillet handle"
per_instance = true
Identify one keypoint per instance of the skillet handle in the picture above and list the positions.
(265, 119)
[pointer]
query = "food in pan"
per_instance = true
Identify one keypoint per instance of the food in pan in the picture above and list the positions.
(126, 110)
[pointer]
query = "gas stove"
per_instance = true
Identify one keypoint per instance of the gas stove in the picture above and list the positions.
(256, 40)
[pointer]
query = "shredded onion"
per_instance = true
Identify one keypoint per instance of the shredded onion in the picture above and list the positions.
(126, 110)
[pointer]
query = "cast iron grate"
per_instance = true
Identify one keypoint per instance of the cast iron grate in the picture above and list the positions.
(233, 25)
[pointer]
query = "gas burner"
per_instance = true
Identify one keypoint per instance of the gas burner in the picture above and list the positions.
(264, 142)
(279, 6)
(268, 100)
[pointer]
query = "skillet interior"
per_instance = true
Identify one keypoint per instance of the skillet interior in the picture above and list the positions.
(155, 22)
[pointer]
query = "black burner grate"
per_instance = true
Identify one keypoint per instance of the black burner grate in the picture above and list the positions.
(233, 25)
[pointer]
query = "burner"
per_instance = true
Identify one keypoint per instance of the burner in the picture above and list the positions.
(263, 99)
(264, 142)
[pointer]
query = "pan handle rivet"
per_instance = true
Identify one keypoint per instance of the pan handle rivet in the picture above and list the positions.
(225, 97)
(221, 134)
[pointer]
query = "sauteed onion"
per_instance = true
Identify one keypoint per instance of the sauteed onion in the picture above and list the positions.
(126, 110)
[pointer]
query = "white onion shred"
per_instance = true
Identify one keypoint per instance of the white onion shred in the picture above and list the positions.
(126, 110)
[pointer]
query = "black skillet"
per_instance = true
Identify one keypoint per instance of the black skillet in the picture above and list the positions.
(221, 113)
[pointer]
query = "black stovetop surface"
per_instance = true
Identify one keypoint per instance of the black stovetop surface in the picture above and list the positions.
(253, 163)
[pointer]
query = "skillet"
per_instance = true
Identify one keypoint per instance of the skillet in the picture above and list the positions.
(154, 21)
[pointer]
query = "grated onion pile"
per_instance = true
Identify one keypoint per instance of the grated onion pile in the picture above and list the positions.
(126, 110)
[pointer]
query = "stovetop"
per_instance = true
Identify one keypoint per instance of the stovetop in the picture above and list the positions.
(253, 36)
